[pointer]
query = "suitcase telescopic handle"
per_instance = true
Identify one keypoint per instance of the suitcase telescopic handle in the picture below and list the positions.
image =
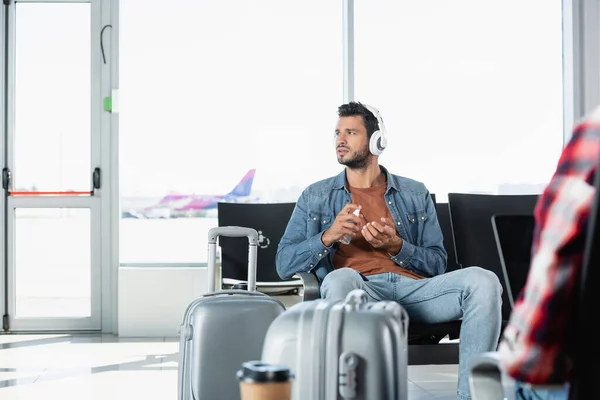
(232, 231)
(234, 291)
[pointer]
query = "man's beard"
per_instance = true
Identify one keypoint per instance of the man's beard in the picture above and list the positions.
(357, 161)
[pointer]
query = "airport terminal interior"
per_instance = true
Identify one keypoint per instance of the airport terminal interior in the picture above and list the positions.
(132, 128)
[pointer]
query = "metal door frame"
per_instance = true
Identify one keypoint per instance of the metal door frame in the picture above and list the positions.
(102, 146)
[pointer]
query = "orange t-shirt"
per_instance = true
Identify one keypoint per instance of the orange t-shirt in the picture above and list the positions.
(359, 254)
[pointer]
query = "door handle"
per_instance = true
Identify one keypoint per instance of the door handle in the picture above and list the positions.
(96, 178)
(6, 178)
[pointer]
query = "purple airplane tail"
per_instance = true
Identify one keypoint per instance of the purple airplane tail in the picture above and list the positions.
(244, 187)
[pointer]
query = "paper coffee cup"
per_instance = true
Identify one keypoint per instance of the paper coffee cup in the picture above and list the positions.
(261, 381)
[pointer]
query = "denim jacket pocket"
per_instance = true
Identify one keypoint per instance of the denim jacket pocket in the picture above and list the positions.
(318, 221)
(416, 221)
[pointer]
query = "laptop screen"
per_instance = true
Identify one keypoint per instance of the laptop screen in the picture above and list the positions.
(514, 239)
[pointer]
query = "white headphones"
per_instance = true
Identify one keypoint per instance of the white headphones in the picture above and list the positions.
(378, 141)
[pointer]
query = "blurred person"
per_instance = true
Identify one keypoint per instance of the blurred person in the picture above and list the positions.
(537, 345)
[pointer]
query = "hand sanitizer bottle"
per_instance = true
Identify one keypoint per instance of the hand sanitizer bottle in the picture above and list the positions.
(346, 239)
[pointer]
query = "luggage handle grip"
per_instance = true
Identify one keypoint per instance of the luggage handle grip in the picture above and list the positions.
(232, 231)
(355, 298)
(233, 291)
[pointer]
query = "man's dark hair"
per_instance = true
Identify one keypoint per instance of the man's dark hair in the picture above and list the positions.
(356, 108)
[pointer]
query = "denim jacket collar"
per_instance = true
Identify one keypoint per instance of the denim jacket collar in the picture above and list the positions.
(340, 180)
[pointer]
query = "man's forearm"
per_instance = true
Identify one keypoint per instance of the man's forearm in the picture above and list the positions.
(296, 254)
(426, 261)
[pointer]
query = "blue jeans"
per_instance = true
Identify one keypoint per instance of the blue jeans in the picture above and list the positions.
(522, 392)
(472, 294)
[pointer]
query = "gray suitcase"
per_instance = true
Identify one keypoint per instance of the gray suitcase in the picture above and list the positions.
(351, 349)
(222, 329)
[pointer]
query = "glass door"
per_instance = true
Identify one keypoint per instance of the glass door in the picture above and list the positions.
(52, 177)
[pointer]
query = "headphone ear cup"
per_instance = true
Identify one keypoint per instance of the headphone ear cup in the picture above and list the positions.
(378, 141)
(374, 143)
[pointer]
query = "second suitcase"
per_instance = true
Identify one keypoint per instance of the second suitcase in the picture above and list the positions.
(352, 349)
(222, 329)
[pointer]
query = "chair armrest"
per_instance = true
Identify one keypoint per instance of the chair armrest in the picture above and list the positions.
(485, 377)
(310, 285)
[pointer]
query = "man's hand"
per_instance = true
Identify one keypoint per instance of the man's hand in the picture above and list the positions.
(345, 223)
(382, 235)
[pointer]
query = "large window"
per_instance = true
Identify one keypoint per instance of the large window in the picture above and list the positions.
(218, 95)
(470, 90)
(236, 101)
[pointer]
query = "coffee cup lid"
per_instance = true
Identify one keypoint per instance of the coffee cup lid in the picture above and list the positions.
(257, 371)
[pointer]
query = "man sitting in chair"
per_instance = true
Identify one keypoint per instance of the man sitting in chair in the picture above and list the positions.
(537, 344)
(395, 249)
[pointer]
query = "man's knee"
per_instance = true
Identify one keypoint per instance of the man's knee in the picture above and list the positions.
(337, 284)
(487, 281)
(485, 287)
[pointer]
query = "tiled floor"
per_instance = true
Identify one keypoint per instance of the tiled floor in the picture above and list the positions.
(102, 367)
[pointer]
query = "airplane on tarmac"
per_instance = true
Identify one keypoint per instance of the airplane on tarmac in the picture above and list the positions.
(177, 204)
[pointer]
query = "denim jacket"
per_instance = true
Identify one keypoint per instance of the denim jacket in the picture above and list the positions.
(411, 207)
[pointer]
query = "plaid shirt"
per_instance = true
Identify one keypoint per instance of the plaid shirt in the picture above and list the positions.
(537, 343)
